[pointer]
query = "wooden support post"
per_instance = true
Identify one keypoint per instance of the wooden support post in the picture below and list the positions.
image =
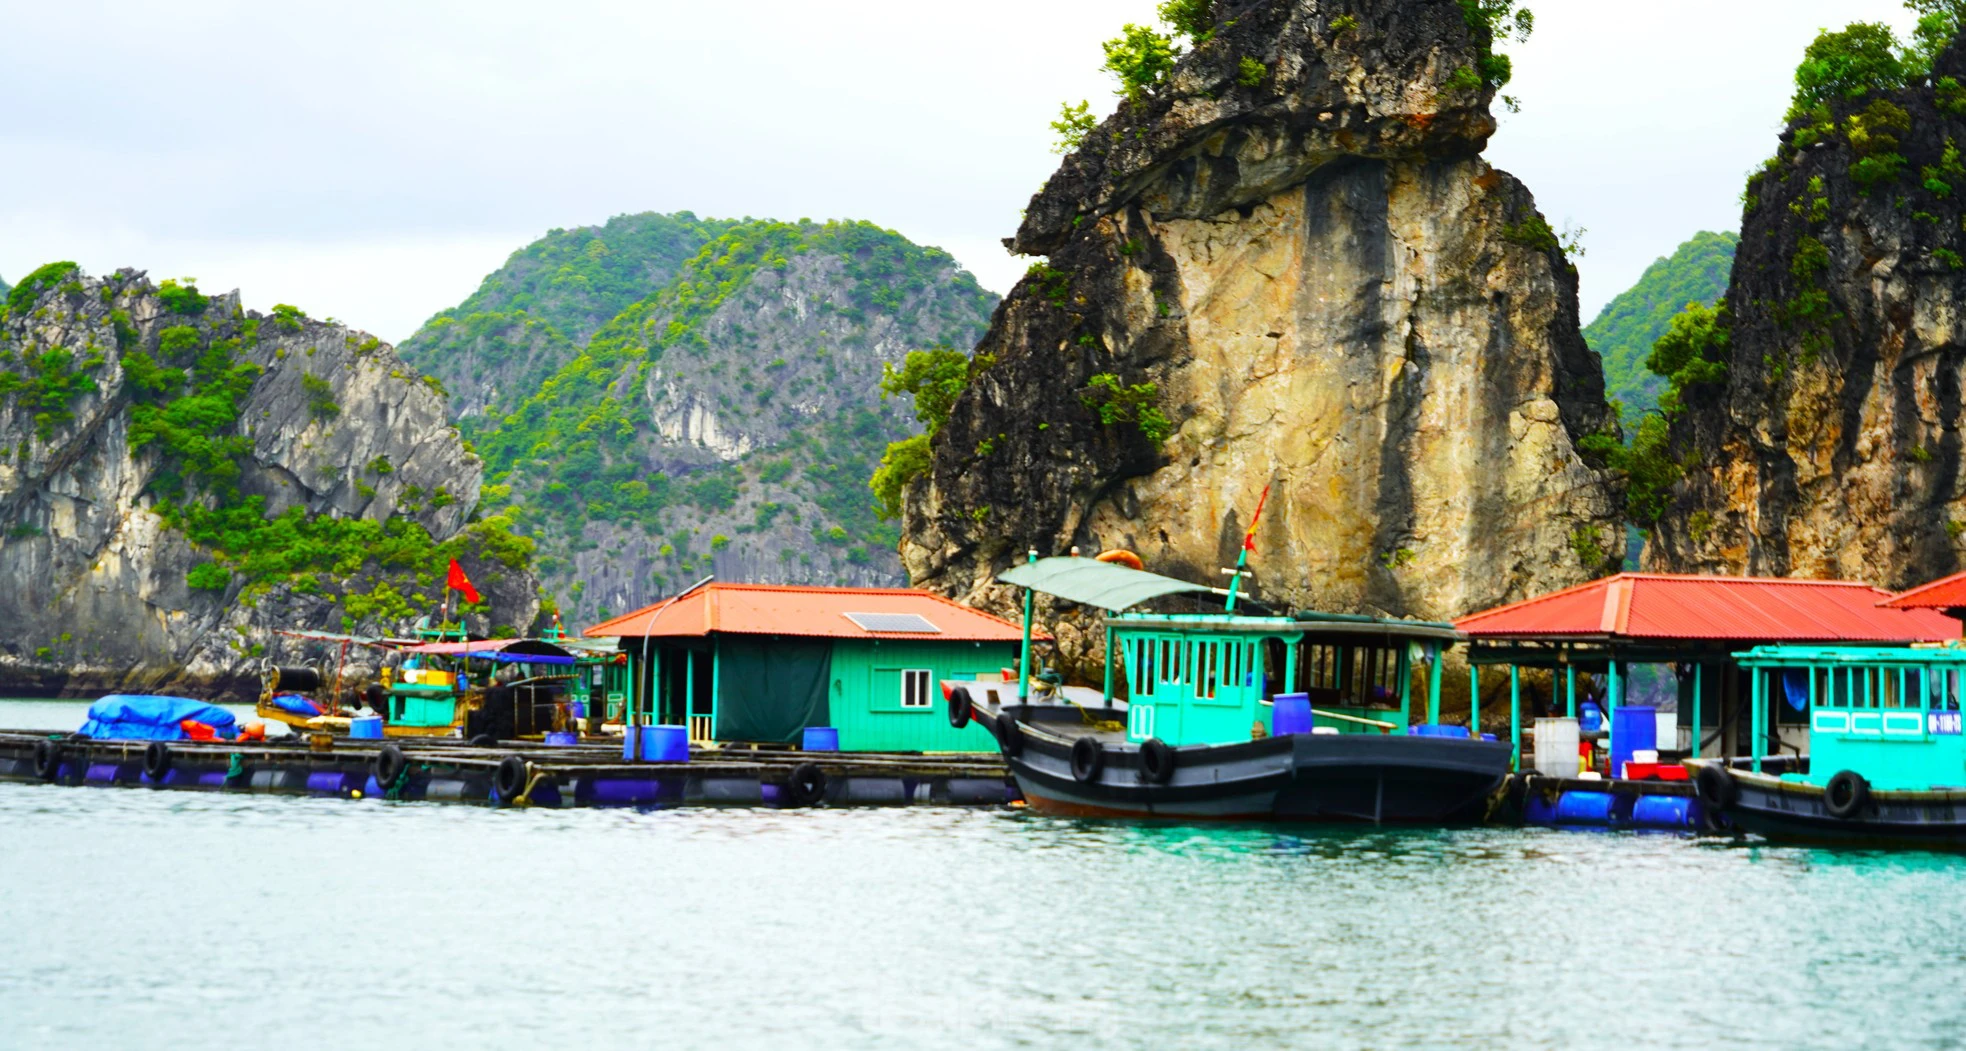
(1570, 687)
(1697, 691)
(716, 682)
(1755, 693)
(1433, 687)
(689, 688)
(1515, 716)
(1405, 687)
(655, 683)
(1474, 700)
(1611, 688)
(1024, 655)
(1290, 648)
(1109, 666)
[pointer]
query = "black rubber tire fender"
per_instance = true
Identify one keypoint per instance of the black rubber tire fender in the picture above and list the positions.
(1847, 795)
(47, 759)
(389, 765)
(156, 760)
(1010, 736)
(1088, 758)
(484, 741)
(1717, 787)
(1157, 761)
(510, 779)
(807, 785)
(960, 707)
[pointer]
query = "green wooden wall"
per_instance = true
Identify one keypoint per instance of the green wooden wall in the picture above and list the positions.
(866, 693)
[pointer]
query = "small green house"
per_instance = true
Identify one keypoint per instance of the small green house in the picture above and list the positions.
(759, 664)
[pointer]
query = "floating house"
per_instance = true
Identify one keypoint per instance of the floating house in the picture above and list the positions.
(1670, 641)
(759, 663)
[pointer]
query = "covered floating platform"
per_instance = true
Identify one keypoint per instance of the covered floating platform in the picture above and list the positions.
(1659, 657)
(512, 774)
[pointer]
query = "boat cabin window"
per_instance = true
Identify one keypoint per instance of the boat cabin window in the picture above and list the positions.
(914, 688)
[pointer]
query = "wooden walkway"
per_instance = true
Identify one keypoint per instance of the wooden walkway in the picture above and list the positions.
(512, 773)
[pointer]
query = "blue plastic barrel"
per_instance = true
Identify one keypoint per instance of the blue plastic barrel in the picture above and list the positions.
(1634, 728)
(1663, 811)
(1291, 714)
(1590, 718)
(665, 744)
(562, 738)
(1434, 730)
(631, 736)
(367, 728)
(820, 739)
(1584, 808)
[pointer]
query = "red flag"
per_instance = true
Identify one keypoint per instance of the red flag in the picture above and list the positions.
(1249, 538)
(460, 583)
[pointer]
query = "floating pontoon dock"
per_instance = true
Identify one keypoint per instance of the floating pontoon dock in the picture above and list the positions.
(512, 773)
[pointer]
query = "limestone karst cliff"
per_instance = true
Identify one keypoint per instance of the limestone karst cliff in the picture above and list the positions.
(663, 396)
(1827, 443)
(1301, 275)
(183, 477)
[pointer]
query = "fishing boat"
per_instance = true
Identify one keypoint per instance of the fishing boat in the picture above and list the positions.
(445, 683)
(1887, 756)
(1233, 716)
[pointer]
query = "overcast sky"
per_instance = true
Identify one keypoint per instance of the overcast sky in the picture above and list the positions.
(373, 161)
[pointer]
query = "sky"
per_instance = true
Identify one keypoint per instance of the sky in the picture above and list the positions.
(372, 162)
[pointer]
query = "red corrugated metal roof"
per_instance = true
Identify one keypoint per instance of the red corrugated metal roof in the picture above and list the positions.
(1733, 609)
(811, 612)
(1943, 593)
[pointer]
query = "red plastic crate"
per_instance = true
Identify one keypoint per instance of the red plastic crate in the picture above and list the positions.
(1674, 773)
(1641, 771)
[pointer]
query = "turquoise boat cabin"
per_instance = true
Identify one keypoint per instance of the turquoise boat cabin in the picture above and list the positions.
(762, 664)
(1892, 714)
(1218, 677)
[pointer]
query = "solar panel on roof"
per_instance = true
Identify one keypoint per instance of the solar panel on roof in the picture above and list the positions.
(893, 623)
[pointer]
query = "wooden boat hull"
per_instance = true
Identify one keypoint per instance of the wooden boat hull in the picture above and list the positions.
(1792, 811)
(1300, 777)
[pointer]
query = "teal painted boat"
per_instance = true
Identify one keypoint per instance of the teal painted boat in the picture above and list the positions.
(1294, 717)
(1887, 755)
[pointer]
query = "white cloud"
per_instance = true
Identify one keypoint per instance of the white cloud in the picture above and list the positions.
(374, 160)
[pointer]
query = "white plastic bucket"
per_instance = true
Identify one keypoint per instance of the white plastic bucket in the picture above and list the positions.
(1669, 731)
(1556, 747)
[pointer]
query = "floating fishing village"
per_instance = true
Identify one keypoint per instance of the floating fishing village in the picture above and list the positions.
(1187, 548)
(1819, 710)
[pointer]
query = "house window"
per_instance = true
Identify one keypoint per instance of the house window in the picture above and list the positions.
(914, 688)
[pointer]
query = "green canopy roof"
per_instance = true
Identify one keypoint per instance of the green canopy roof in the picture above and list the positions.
(1093, 583)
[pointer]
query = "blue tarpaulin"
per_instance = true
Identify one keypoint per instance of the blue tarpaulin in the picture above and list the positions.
(145, 717)
(295, 703)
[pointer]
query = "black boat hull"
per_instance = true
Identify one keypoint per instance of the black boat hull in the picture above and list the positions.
(1790, 811)
(1300, 777)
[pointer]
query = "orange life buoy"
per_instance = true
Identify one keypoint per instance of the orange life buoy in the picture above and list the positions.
(1122, 557)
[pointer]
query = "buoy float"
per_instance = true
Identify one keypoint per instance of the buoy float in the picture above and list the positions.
(1121, 556)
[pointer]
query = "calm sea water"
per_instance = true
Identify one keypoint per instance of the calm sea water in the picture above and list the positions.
(140, 919)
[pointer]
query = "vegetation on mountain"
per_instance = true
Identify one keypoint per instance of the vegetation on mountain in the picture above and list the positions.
(730, 393)
(1626, 329)
(186, 388)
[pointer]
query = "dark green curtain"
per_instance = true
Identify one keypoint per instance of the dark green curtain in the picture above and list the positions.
(770, 689)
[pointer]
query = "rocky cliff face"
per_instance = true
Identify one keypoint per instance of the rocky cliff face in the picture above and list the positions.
(184, 477)
(1832, 448)
(1320, 286)
(725, 417)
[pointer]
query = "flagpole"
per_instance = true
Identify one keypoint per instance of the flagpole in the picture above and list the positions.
(1242, 557)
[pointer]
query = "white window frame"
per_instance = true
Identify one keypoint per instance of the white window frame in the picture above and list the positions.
(925, 678)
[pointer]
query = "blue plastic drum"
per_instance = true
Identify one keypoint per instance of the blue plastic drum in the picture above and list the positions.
(665, 744)
(1291, 714)
(366, 728)
(1584, 808)
(820, 739)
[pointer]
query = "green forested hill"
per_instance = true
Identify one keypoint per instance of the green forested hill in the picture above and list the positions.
(1625, 330)
(725, 416)
(5, 288)
(530, 316)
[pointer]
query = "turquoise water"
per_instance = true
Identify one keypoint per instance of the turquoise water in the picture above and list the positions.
(133, 918)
